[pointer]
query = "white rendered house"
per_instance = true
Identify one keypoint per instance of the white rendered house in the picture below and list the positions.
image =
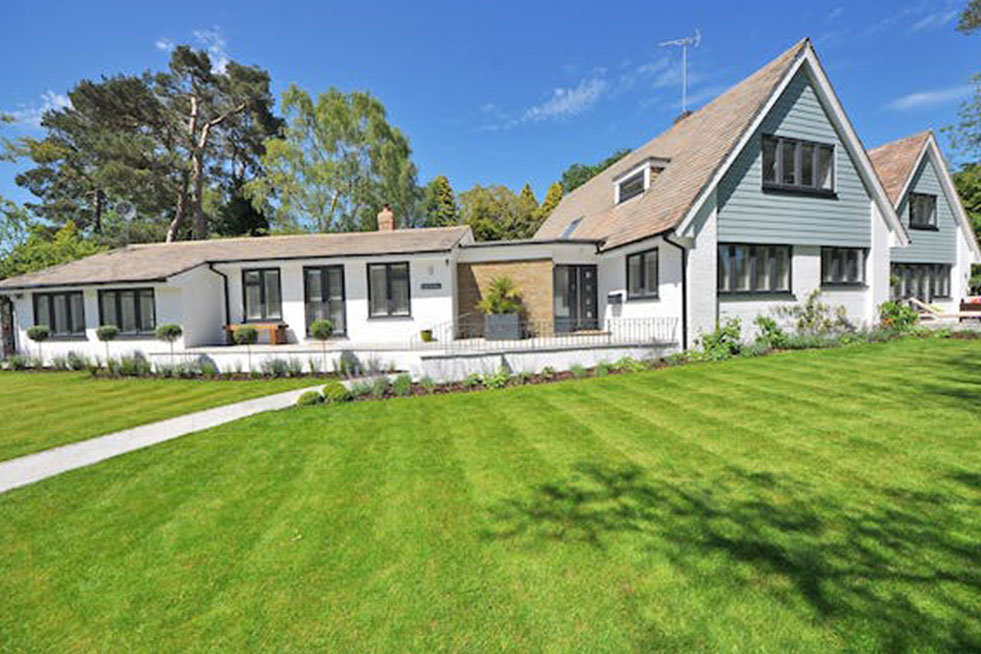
(748, 204)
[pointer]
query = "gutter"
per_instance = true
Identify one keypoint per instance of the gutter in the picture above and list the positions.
(684, 289)
(224, 279)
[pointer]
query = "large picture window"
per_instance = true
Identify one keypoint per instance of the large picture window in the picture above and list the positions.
(133, 311)
(924, 281)
(922, 211)
(796, 165)
(388, 290)
(842, 266)
(324, 296)
(62, 313)
(262, 294)
(642, 275)
(754, 268)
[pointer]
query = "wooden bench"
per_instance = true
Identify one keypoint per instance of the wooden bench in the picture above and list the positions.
(275, 330)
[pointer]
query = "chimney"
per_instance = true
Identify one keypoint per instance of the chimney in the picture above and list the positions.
(386, 219)
(682, 116)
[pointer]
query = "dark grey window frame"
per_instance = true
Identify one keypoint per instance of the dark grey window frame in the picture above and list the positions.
(137, 310)
(323, 290)
(262, 295)
(798, 187)
(932, 226)
(863, 262)
(946, 273)
(50, 319)
(648, 293)
(388, 290)
(630, 178)
(788, 292)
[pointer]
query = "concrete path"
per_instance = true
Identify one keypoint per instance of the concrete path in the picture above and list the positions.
(41, 465)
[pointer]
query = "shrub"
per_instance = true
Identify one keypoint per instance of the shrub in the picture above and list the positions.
(59, 363)
(77, 361)
(361, 389)
(723, 342)
(678, 358)
(548, 372)
(335, 392)
(897, 316)
(502, 297)
(602, 369)
(247, 335)
(275, 367)
(310, 398)
(472, 380)
(39, 334)
(106, 333)
(322, 330)
(402, 386)
(757, 349)
(378, 387)
(18, 362)
(816, 317)
(134, 365)
(209, 368)
(36, 362)
(427, 384)
(770, 332)
(577, 371)
(628, 364)
(523, 377)
(295, 367)
(499, 379)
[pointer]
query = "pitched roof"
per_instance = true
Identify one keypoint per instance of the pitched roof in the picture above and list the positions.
(696, 147)
(894, 162)
(158, 261)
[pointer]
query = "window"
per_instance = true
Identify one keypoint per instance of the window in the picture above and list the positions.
(924, 281)
(843, 266)
(754, 268)
(631, 186)
(795, 165)
(570, 228)
(922, 211)
(133, 310)
(62, 313)
(642, 275)
(388, 289)
(261, 290)
(324, 296)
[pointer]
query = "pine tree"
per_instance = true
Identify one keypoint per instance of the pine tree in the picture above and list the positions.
(440, 203)
(552, 198)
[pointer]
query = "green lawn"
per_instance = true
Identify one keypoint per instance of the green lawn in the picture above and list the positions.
(43, 410)
(811, 501)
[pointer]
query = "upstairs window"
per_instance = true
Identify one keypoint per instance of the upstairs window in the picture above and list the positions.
(642, 275)
(922, 211)
(842, 266)
(796, 165)
(631, 186)
(62, 313)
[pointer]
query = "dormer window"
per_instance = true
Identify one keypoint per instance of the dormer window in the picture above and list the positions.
(636, 181)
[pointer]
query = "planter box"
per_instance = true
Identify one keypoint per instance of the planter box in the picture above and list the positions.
(502, 327)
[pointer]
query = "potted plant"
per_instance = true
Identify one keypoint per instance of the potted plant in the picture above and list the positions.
(501, 307)
(426, 335)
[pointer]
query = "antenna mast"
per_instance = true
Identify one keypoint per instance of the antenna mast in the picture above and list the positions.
(683, 43)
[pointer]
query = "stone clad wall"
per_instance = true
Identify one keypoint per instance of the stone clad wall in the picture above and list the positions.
(532, 277)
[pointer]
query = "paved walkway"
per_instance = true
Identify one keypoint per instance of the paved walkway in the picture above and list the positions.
(35, 467)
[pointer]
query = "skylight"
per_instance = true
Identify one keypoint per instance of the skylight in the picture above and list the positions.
(571, 227)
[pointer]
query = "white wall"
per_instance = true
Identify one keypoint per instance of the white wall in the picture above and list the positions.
(612, 273)
(703, 264)
(429, 307)
(202, 307)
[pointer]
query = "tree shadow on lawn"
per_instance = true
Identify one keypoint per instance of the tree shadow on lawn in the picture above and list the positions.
(902, 566)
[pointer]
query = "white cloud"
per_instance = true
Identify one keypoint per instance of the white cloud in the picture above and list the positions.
(164, 44)
(566, 102)
(936, 19)
(923, 99)
(31, 116)
(216, 45)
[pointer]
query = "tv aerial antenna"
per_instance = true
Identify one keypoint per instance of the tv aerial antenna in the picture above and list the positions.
(684, 43)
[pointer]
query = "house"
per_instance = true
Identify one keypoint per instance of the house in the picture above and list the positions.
(936, 266)
(746, 205)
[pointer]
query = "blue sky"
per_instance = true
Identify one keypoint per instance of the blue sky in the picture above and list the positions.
(508, 92)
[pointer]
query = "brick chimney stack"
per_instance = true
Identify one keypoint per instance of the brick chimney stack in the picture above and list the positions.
(386, 219)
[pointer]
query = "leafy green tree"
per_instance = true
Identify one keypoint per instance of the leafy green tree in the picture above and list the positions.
(338, 162)
(495, 213)
(970, 19)
(42, 249)
(552, 198)
(968, 183)
(578, 174)
(439, 203)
